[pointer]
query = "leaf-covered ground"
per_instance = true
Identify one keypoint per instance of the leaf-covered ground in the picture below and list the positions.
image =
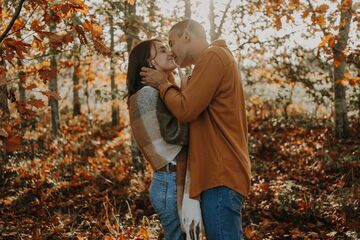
(82, 185)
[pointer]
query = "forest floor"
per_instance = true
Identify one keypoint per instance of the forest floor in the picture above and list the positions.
(82, 185)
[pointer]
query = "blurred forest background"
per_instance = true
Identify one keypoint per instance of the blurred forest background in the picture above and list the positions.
(69, 168)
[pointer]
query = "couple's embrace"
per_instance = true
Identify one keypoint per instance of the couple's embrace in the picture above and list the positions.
(194, 135)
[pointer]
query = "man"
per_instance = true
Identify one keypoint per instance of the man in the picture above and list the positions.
(213, 105)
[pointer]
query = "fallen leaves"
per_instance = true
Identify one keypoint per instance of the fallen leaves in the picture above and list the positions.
(12, 143)
(3, 133)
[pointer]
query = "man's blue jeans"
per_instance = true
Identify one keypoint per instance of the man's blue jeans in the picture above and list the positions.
(163, 199)
(221, 211)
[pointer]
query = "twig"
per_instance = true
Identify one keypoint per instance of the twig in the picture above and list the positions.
(223, 19)
(32, 13)
(11, 24)
(313, 12)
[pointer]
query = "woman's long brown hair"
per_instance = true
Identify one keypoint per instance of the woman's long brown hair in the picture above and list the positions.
(139, 57)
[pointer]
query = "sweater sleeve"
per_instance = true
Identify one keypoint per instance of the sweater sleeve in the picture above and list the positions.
(170, 128)
(186, 105)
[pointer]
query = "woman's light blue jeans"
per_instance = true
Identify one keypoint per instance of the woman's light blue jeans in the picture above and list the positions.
(221, 212)
(163, 199)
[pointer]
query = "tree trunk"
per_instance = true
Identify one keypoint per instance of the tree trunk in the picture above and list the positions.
(129, 29)
(86, 93)
(54, 104)
(341, 119)
(114, 103)
(358, 112)
(21, 75)
(132, 32)
(3, 87)
(22, 93)
(187, 9)
(76, 84)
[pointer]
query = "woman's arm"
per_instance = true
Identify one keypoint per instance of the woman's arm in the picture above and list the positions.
(170, 128)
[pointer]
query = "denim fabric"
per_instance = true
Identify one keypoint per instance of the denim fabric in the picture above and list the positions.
(163, 199)
(221, 211)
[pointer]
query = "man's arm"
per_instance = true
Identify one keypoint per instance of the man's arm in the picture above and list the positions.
(187, 104)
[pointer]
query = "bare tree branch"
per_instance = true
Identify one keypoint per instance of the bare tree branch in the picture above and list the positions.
(215, 33)
(11, 24)
(219, 31)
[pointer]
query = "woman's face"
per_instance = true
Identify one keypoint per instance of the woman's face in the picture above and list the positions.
(162, 56)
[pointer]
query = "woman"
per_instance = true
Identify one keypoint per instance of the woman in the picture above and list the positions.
(161, 139)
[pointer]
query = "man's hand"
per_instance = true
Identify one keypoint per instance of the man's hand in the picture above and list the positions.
(153, 77)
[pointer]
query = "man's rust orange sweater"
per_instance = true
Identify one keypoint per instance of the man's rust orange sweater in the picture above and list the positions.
(213, 105)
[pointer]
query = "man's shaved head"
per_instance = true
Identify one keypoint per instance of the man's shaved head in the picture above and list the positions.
(192, 26)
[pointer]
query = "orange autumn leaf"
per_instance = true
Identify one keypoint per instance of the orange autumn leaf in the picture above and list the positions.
(18, 45)
(331, 42)
(19, 23)
(35, 25)
(30, 86)
(13, 143)
(36, 103)
(55, 40)
(144, 233)
(67, 38)
(93, 28)
(65, 9)
(131, 2)
(306, 13)
(38, 44)
(46, 73)
(325, 40)
(248, 232)
(296, 3)
(51, 95)
(344, 82)
(322, 8)
(277, 22)
(96, 30)
(79, 6)
(2, 76)
(102, 48)
(355, 81)
(352, 80)
(8, 128)
(321, 20)
(87, 25)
